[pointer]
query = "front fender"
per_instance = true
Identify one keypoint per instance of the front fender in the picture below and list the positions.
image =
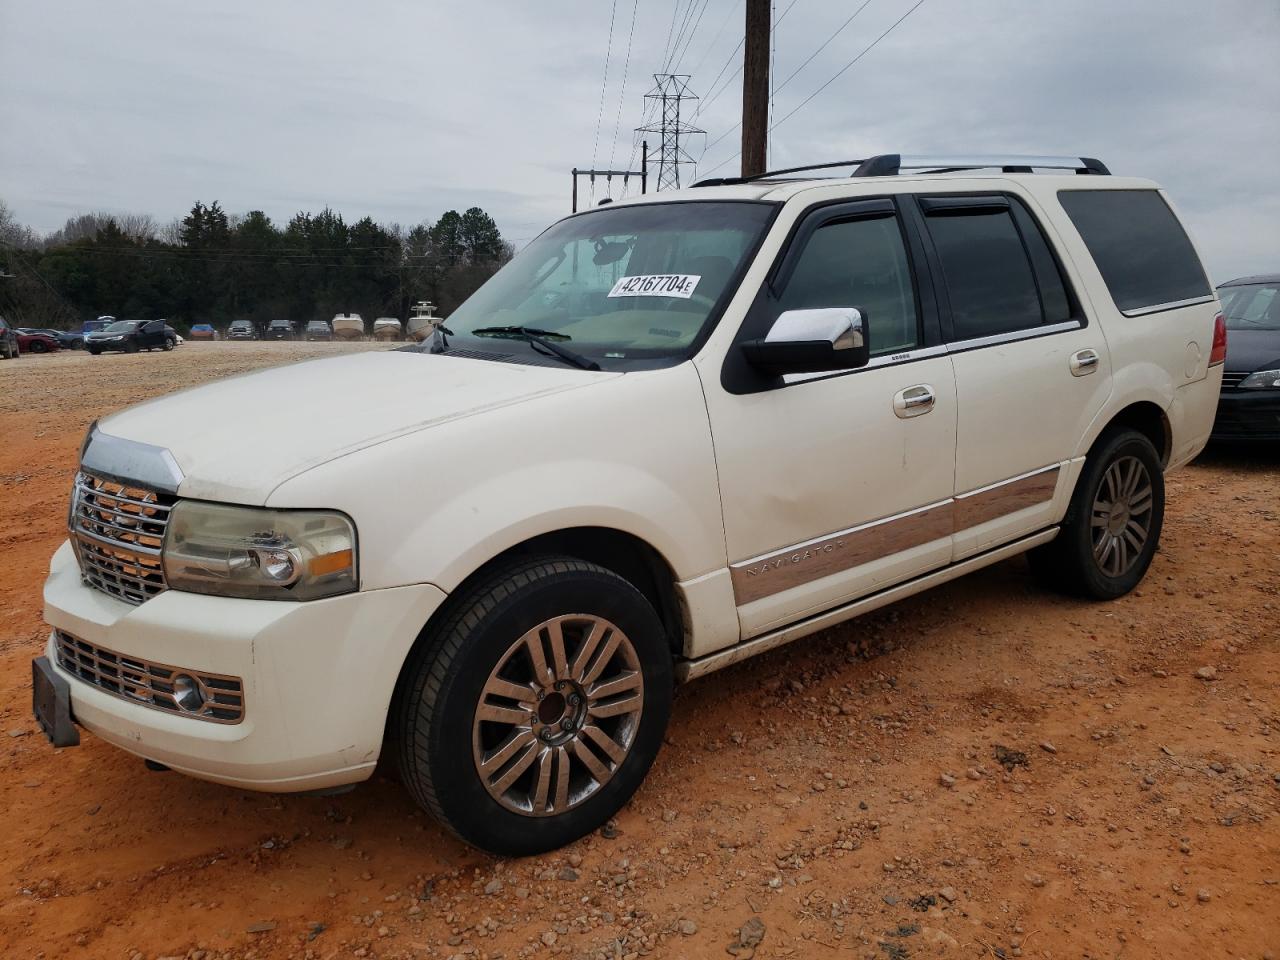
(632, 453)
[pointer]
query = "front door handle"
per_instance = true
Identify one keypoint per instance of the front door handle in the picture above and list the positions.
(1084, 362)
(914, 401)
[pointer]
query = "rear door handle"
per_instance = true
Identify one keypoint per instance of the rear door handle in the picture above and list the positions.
(1084, 362)
(913, 401)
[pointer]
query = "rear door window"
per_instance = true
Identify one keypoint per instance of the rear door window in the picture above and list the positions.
(987, 273)
(1142, 252)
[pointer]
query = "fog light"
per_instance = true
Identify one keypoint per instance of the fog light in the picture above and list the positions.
(187, 693)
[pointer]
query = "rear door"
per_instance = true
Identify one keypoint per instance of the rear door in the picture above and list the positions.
(1031, 372)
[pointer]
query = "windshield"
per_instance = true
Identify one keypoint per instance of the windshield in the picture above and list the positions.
(1251, 306)
(635, 283)
(122, 326)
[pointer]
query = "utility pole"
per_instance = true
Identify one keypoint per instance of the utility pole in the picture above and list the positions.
(755, 88)
(670, 91)
(626, 175)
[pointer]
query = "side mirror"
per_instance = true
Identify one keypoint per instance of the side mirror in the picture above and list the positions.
(812, 341)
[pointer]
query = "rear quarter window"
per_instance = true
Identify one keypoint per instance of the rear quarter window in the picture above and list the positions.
(1142, 252)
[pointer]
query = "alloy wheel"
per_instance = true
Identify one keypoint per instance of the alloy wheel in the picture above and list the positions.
(1120, 520)
(558, 715)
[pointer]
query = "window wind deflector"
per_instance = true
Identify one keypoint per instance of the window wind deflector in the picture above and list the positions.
(941, 206)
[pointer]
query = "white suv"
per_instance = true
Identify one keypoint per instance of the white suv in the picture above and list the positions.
(672, 433)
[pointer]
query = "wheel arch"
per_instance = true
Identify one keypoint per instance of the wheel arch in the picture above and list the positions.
(1146, 417)
(618, 551)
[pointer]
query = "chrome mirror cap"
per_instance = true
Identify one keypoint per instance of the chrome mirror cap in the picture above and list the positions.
(841, 327)
(819, 340)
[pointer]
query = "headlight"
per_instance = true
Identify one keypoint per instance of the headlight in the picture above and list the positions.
(232, 551)
(1262, 380)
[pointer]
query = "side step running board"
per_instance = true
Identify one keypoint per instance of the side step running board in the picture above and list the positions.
(692, 669)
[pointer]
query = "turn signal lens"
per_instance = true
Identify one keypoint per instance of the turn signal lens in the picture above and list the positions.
(1219, 352)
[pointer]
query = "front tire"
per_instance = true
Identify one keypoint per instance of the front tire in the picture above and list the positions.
(37, 346)
(1112, 528)
(534, 711)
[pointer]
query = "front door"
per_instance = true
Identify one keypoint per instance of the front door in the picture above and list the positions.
(837, 485)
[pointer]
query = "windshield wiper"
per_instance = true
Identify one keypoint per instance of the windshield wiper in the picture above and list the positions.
(536, 338)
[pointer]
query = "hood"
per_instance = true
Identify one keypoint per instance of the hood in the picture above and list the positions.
(1250, 350)
(103, 335)
(238, 439)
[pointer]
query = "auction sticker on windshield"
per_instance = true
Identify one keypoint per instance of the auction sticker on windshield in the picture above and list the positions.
(679, 285)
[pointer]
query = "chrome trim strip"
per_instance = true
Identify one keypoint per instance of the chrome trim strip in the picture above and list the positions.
(1171, 305)
(1014, 335)
(692, 669)
(887, 360)
(130, 462)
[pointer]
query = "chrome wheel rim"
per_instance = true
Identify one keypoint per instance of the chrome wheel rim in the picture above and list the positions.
(558, 715)
(1121, 516)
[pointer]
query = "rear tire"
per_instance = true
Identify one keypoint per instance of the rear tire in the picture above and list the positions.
(572, 667)
(37, 346)
(1112, 528)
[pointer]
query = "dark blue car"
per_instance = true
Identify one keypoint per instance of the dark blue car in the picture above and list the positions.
(1249, 406)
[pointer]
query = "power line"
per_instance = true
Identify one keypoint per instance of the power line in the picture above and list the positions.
(871, 46)
(684, 25)
(626, 69)
(688, 41)
(733, 8)
(604, 84)
(809, 58)
(839, 73)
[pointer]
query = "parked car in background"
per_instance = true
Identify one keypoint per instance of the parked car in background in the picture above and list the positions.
(36, 341)
(130, 336)
(279, 330)
(8, 340)
(241, 330)
(318, 330)
(757, 408)
(203, 331)
(388, 328)
(67, 339)
(104, 321)
(1249, 406)
(348, 326)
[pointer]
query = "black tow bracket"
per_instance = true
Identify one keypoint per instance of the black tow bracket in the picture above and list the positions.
(51, 703)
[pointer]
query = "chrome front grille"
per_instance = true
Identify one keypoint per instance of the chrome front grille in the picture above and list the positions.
(117, 530)
(1232, 380)
(189, 693)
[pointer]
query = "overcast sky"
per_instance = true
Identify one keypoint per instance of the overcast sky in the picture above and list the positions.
(402, 110)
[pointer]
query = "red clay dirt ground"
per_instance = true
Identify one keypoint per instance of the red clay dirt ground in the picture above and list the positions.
(840, 797)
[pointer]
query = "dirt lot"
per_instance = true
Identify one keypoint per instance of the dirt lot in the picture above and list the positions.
(844, 796)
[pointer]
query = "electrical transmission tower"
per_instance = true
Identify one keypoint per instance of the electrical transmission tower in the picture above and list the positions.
(670, 90)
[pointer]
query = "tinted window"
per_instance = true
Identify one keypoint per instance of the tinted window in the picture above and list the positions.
(1251, 306)
(859, 263)
(1141, 250)
(1053, 289)
(988, 276)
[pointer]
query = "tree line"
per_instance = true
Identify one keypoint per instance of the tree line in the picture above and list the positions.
(215, 267)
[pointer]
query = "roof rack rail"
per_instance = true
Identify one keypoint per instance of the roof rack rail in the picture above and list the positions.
(892, 164)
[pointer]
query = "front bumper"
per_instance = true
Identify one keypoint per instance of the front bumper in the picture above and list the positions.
(317, 677)
(1247, 415)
